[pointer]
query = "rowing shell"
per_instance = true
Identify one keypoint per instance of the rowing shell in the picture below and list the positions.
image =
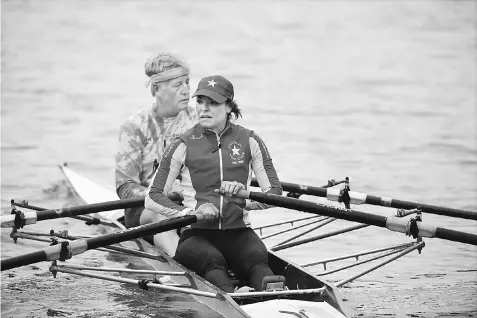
(308, 296)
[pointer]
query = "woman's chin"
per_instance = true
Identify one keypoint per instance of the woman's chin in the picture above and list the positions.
(205, 123)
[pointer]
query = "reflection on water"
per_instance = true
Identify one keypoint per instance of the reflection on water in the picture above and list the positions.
(380, 91)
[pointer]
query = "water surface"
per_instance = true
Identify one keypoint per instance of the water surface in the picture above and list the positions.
(380, 91)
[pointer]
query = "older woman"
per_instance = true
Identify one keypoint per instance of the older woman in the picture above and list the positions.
(215, 159)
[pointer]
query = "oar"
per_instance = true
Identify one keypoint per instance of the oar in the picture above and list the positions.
(362, 198)
(295, 189)
(67, 249)
(88, 219)
(20, 219)
(391, 223)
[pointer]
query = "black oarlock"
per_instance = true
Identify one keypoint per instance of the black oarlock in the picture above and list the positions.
(412, 228)
(65, 252)
(143, 284)
(19, 221)
(344, 194)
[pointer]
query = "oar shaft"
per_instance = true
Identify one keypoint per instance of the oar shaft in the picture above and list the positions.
(391, 223)
(87, 219)
(432, 209)
(90, 208)
(22, 260)
(140, 231)
(57, 252)
(35, 216)
(362, 198)
(456, 236)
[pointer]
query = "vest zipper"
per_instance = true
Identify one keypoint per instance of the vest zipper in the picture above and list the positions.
(221, 179)
(221, 173)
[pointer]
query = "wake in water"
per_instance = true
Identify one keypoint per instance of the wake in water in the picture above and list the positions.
(61, 191)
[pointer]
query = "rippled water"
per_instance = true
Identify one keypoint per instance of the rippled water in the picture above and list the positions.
(380, 91)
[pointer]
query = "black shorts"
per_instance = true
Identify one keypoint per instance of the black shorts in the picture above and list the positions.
(240, 248)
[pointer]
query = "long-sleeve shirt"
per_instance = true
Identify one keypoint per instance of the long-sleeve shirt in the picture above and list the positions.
(143, 137)
(204, 159)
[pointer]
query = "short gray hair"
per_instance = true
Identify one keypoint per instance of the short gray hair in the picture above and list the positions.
(161, 62)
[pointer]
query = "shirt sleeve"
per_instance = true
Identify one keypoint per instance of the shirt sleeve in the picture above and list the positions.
(264, 171)
(164, 178)
(128, 164)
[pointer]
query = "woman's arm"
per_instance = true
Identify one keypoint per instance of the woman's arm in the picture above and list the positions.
(264, 170)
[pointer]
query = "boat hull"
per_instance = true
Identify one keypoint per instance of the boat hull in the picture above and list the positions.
(296, 277)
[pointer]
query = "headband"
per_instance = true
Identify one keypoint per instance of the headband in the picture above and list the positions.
(167, 75)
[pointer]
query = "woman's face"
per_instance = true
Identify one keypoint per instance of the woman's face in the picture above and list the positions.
(212, 115)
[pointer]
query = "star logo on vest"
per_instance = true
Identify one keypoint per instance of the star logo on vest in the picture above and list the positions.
(236, 153)
(211, 83)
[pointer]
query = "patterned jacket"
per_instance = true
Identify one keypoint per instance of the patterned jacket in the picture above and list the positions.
(143, 139)
(204, 159)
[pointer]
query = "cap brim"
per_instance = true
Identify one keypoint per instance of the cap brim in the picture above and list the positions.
(214, 95)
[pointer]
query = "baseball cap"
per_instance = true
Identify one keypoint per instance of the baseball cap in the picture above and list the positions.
(216, 87)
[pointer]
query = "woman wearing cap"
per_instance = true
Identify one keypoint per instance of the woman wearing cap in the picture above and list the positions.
(215, 159)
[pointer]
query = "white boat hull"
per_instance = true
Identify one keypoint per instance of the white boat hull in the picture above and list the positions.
(91, 192)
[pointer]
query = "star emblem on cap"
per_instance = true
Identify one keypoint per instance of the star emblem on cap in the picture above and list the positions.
(211, 83)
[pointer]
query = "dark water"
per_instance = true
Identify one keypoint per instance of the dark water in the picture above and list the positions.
(380, 91)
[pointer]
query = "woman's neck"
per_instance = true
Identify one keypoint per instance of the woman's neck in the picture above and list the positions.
(220, 129)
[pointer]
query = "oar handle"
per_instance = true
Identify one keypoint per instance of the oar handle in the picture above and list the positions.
(200, 217)
(244, 194)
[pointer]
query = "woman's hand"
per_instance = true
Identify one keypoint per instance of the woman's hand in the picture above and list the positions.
(209, 211)
(230, 189)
